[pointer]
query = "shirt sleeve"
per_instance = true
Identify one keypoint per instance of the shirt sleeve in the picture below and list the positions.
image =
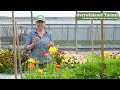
(28, 40)
(51, 37)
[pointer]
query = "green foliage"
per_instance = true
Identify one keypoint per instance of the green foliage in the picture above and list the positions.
(57, 59)
(92, 57)
(85, 42)
(88, 70)
(112, 70)
(91, 69)
(51, 72)
(65, 73)
(7, 60)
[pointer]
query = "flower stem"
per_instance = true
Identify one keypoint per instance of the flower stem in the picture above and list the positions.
(47, 62)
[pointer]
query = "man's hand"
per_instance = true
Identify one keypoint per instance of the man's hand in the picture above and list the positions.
(29, 47)
(49, 44)
(36, 39)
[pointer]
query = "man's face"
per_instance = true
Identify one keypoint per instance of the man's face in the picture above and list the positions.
(40, 25)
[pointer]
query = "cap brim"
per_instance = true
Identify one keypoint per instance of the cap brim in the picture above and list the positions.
(39, 20)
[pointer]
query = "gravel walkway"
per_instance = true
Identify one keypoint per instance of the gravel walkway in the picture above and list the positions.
(9, 76)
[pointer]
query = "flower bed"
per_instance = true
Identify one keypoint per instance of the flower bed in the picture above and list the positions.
(7, 60)
(76, 66)
(65, 65)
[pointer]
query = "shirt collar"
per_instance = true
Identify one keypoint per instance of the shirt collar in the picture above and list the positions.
(46, 31)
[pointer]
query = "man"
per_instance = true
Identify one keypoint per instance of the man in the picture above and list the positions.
(39, 40)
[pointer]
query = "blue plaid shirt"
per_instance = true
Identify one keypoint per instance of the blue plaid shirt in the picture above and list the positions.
(41, 45)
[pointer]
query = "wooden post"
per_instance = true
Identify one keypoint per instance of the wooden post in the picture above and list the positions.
(31, 20)
(18, 47)
(76, 34)
(102, 47)
(14, 45)
(92, 36)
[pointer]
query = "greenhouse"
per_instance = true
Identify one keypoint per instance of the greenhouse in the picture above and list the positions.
(83, 49)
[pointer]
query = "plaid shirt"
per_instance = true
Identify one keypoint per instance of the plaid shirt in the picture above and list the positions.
(41, 45)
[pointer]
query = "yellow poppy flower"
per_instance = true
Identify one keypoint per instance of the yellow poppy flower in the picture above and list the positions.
(40, 70)
(53, 49)
(31, 60)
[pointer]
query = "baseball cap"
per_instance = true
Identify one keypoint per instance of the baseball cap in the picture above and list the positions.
(40, 17)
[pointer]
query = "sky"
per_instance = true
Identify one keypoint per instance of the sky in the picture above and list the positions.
(45, 13)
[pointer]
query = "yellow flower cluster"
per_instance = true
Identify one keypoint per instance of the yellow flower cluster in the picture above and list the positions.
(40, 70)
(53, 49)
(5, 53)
(108, 54)
(65, 57)
(32, 63)
(1, 65)
(115, 55)
(31, 60)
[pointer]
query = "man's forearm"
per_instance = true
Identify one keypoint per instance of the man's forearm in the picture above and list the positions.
(29, 47)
